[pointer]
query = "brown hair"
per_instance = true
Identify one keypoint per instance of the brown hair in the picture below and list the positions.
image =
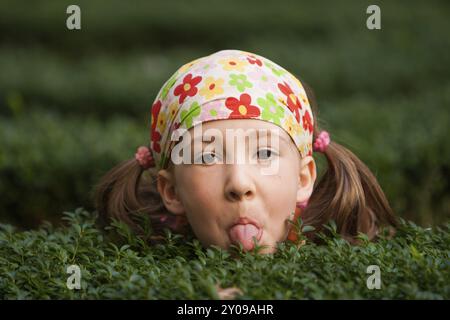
(347, 193)
(127, 191)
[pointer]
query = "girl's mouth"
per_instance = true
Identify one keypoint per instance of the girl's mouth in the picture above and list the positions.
(243, 231)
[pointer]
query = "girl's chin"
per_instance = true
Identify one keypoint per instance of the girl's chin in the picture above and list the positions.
(267, 250)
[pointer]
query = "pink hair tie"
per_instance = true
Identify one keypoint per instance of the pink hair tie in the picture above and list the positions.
(322, 141)
(302, 205)
(144, 157)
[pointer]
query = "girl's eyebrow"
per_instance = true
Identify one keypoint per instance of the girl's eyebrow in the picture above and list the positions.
(211, 138)
(276, 134)
(202, 139)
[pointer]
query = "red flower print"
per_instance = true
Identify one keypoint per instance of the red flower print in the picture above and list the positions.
(307, 122)
(156, 137)
(242, 107)
(254, 60)
(188, 87)
(292, 100)
(155, 112)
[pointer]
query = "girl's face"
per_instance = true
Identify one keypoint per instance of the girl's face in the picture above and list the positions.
(232, 202)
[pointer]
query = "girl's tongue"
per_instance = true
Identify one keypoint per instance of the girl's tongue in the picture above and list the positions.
(244, 234)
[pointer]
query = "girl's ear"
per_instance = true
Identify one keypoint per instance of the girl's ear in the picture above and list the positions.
(306, 178)
(168, 193)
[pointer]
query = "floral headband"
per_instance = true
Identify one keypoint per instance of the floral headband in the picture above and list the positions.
(229, 84)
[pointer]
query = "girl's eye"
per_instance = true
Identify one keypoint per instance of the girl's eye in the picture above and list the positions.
(208, 158)
(265, 154)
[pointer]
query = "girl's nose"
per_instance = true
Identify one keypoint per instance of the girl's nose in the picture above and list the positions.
(239, 183)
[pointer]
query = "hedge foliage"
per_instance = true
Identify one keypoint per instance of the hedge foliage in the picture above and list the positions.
(50, 162)
(121, 58)
(33, 264)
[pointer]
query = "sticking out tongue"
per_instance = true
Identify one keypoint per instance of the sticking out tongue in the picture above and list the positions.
(244, 234)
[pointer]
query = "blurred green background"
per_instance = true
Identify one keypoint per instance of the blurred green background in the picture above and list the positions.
(75, 103)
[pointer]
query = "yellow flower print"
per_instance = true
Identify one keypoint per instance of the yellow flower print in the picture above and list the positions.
(302, 95)
(303, 149)
(162, 120)
(212, 87)
(233, 64)
(295, 79)
(303, 98)
(283, 101)
(289, 125)
(292, 127)
(172, 110)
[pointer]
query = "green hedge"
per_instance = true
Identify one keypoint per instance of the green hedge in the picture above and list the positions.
(50, 162)
(33, 264)
(404, 142)
(102, 85)
(119, 26)
(106, 83)
(75, 103)
(121, 57)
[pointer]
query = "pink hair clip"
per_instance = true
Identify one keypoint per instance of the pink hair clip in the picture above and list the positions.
(144, 157)
(322, 141)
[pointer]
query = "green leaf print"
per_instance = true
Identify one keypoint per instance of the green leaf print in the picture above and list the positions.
(276, 71)
(240, 82)
(189, 115)
(271, 110)
(169, 85)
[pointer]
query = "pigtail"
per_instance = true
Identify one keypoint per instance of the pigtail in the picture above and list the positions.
(127, 191)
(347, 193)
(116, 194)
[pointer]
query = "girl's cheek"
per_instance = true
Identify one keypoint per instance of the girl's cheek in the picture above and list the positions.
(201, 196)
(197, 199)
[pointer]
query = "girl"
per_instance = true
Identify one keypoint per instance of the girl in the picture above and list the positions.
(225, 202)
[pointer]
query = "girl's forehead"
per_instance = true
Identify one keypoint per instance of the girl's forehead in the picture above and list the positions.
(239, 125)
